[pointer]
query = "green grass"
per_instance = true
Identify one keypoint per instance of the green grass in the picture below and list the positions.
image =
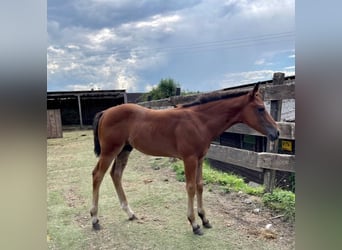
(280, 200)
(61, 227)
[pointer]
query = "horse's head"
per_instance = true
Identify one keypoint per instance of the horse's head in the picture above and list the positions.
(256, 116)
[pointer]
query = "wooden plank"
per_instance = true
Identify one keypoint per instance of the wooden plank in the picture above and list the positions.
(169, 102)
(282, 162)
(287, 130)
(240, 157)
(279, 92)
(252, 160)
(54, 124)
(241, 128)
(176, 100)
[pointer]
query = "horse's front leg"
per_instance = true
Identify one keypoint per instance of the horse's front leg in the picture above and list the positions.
(199, 191)
(190, 166)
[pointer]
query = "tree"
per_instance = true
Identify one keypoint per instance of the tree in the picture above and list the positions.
(166, 88)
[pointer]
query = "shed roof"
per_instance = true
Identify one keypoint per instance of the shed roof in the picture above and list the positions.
(88, 93)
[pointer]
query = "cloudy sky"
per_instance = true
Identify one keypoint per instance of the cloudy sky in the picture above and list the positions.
(203, 45)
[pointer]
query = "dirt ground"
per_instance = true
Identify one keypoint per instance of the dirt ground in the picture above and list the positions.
(159, 201)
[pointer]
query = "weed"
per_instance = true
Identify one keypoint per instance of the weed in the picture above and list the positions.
(179, 169)
(281, 201)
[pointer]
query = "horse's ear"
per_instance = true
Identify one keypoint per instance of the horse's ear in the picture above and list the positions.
(254, 91)
(256, 88)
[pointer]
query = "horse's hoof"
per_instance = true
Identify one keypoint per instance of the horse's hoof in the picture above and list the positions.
(133, 217)
(96, 226)
(207, 224)
(197, 230)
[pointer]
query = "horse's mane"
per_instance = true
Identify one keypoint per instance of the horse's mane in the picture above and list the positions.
(214, 96)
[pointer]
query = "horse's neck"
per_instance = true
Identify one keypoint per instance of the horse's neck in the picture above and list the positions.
(218, 116)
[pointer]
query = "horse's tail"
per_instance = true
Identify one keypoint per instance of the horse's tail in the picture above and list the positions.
(97, 147)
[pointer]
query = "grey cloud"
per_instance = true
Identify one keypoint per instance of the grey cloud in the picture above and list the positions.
(98, 14)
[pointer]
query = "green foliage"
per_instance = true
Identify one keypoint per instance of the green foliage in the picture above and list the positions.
(230, 182)
(281, 201)
(179, 169)
(166, 88)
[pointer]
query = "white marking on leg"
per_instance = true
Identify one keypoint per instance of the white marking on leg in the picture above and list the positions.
(127, 209)
(94, 220)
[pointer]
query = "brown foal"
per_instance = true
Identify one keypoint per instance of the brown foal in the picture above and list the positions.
(184, 132)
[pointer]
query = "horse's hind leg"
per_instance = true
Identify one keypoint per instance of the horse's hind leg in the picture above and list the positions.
(98, 173)
(116, 174)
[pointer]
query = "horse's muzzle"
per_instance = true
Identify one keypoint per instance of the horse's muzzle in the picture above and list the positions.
(273, 136)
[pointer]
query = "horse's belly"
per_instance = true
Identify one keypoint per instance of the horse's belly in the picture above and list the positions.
(155, 148)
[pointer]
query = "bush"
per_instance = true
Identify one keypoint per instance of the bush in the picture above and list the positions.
(166, 88)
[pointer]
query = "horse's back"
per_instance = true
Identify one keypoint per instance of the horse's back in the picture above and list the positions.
(121, 113)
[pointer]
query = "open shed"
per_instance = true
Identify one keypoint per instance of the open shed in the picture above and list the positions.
(80, 107)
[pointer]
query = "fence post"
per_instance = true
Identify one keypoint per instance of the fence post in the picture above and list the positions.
(272, 147)
(80, 110)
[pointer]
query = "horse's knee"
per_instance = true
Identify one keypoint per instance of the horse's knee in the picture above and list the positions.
(199, 187)
(95, 170)
(97, 176)
(191, 188)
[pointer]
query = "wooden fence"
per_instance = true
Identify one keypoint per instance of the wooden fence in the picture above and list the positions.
(267, 162)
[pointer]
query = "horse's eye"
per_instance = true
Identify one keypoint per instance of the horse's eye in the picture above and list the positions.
(261, 109)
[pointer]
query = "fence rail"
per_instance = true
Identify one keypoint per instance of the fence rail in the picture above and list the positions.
(252, 160)
(287, 130)
(268, 162)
